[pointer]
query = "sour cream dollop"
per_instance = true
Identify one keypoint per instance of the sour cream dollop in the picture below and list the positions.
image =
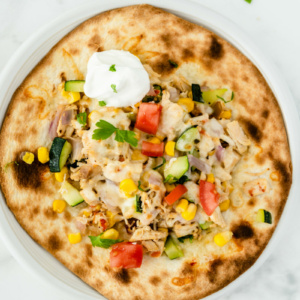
(116, 77)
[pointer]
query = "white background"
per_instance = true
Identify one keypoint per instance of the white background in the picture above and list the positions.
(274, 25)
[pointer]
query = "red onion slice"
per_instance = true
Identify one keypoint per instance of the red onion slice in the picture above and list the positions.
(199, 164)
(53, 125)
(174, 94)
(66, 117)
(220, 152)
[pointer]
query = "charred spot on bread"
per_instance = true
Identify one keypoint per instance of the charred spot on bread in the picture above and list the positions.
(242, 231)
(54, 243)
(253, 130)
(123, 276)
(155, 280)
(213, 269)
(216, 49)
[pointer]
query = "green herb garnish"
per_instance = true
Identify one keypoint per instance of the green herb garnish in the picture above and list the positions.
(139, 187)
(8, 164)
(112, 68)
(107, 129)
(138, 203)
(183, 179)
(103, 243)
(232, 96)
(249, 1)
(173, 63)
(81, 118)
(113, 86)
(190, 237)
(102, 103)
(157, 167)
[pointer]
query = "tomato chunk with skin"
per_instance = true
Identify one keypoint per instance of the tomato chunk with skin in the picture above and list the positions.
(126, 255)
(148, 117)
(176, 194)
(153, 150)
(208, 197)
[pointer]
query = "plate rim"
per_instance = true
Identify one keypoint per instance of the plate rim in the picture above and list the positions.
(230, 31)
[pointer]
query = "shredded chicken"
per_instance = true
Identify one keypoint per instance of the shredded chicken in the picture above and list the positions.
(237, 134)
(217, 217)
(154, 246)
(186, 229)
(256, 187)
(146, 233)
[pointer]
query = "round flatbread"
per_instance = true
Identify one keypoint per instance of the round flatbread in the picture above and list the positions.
(156, 37)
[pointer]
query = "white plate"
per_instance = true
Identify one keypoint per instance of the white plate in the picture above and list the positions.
(31, 255)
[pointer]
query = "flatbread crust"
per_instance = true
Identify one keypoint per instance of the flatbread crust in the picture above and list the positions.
(156, 37)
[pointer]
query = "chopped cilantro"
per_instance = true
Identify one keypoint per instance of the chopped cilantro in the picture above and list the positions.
(112, 68)
(138, 201)
(173, 63)
(102, 103)
(163, 162)
(81, 118)
(139, 187)
(8, 164)
(103, 243)
(232, 96)
(249, 1)
(107, 129)
(113, 86)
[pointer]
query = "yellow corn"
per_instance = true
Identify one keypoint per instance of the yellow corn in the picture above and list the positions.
(187, 103)
(60, 176)
(110, 234)
(225, 205)
(138, 104)
(128, 187)
(43, 155)
(70, 96)
(210, 178)
(86, 213)
(225, 114)
(97, 207)
(74, 238)
(190, 212)
(154, 140)
(170, 148)
(182, 206)
(169, 187)
(28, 157)
(74, 96)
(210, 153)
(59, 206)
(111, 218)
(137, 155)
(190, 94)
(226, 185)
(222, 238)
(90, 114)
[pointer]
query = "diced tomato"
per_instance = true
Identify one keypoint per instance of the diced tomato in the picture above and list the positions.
(151, 149)
(176, 194)
(208, 197)
(126, 255)
(103, 224)
(148, 117)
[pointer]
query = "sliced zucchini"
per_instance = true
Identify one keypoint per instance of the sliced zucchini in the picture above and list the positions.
(210, 97)
(74, 86)
(172, 249)
(197, 94)
(59, 153)
(70, 194)
(264, 216)
(175, 168)
(138, 204)
(186, 140)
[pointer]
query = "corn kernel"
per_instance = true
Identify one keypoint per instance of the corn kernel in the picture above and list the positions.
(190, 212)
(86, 213)
(211, 153)
(137, 155)
(111, 218)
(128, 187)
(43, 155)
(59, 206)
(90, 114)
(97, 207)
(154, 140)
(169, 187)
(74, 238)
(225, 205)
(225, 114)
(182, 206)
(60, 176)
(186, 103)
(222, 238)
(138, 104)
(28, 157)
(210, 178)
(170, 148)
(110, 234)
(190, 94)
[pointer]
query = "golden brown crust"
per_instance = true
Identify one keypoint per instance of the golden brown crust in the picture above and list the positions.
(156, 37)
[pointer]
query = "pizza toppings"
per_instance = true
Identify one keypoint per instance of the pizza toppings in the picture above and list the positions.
(151, 173)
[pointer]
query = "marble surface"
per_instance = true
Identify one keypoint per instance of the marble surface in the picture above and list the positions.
(274, 26)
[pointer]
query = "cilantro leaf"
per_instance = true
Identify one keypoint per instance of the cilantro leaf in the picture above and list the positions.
(112, 68)
(113, 86)
(103, 243)
(163, 162)
(102, 103)
(249, 1)
(107, 129)
(8, 164)
(173, 63)
(232, 96)
(183, 179)
(81, 118)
